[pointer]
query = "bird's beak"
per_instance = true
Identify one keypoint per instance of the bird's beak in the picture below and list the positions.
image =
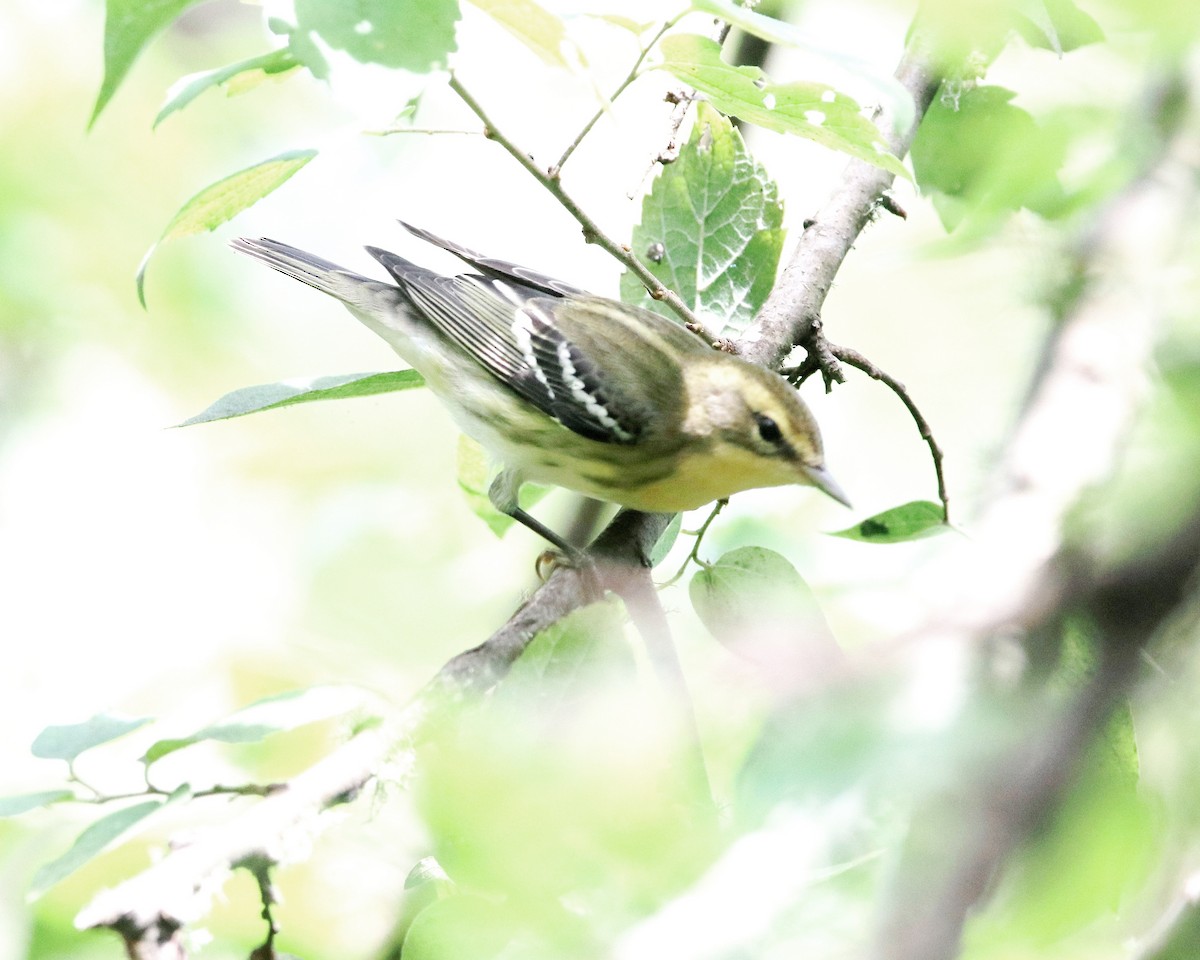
(823, 480)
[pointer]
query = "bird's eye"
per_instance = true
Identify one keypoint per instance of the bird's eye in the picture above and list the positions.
(768, 429)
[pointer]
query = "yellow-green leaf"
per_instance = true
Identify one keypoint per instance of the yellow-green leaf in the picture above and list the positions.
(814, 111)
(534, 25)
(271, 396)
(910, 521)
(221, 201)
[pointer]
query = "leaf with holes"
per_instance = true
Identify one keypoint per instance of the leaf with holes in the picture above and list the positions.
(414, 35)
(711, 228)
(814, 111)
(888, 89)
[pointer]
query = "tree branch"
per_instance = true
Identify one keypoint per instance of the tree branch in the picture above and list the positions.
(792, 312)
(592, 233)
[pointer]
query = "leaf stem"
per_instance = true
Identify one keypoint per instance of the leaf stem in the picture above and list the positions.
(694, 555)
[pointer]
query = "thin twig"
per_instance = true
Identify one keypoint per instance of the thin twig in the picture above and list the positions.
(794, 306)
(591, 231)
(859, 362)
(694, 555)
(621, 87)
(426, 131)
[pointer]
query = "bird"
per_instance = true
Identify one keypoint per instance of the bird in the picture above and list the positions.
(566, 388)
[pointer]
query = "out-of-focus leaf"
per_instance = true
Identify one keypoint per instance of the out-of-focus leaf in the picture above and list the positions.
(814, 111)
(528, 806)
(665, 542)
(570, 659)
(465, 927)
(128, 27)
(636, 27)
(711, 228)
(1057, 25)
(22, 803)
(190, 87)
(909, 521)
(271, 396)
(426, 884)
(68, 741)
(1103, 841)
(535, 26)
(302, 47)
(474, 476)
(217, 203)
(891, 93)
(90, 844)
(986, 157)
(276, 714)
(755, 602)
(414, 35)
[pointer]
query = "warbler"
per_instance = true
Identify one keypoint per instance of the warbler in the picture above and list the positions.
(566, 388)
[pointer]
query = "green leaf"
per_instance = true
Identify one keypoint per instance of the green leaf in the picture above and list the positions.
(474, 479)
(890, 91)
(128, 27)
(986, 158)
(90, 844)
(415, 35)
(812, 110)
(910, 521)
(1057, 25)
(568, 658)
(534, 25)
(69, 741)
(711, 228)
(275, 714)
(425, 884)
(24, 802)
(226, 198)
(636, 27)
(754, 601)
(465, 927)
(665, 542)
(252, 70)
(271, 396)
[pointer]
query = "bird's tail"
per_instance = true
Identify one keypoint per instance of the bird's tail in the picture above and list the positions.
(352, 288)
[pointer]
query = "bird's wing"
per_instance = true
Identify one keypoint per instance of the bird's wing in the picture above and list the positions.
(498, 269)
(512, 329)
